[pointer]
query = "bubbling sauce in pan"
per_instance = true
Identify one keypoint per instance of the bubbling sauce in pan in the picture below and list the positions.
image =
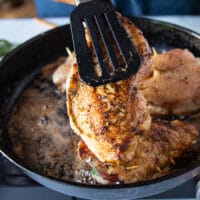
(41, 134)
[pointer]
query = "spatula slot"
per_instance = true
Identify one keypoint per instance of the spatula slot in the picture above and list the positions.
(106, 51)
(98, 57)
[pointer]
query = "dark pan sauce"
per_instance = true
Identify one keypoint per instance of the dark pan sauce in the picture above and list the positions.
(41, 135)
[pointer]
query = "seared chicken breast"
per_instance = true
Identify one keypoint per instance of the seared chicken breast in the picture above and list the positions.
(106, 117)
(173, 84)
(118, 137)
(153, 152)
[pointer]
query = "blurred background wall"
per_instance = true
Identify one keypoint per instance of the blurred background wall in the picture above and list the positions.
(16, 8)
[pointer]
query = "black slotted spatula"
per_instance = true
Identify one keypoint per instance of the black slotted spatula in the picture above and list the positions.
(105, 29)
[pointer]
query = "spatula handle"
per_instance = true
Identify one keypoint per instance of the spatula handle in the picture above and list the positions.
(77, 2)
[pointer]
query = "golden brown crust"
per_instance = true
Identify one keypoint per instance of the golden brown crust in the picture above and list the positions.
(106, 116)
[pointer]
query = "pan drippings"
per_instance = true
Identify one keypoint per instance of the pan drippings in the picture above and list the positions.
(41, 134)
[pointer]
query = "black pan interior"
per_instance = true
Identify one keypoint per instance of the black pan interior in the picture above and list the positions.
(19, 67)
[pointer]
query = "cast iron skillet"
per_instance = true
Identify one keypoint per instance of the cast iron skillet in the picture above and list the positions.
(17, 70)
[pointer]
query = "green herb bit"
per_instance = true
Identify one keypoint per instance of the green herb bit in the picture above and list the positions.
(6, 47)
(94, 172)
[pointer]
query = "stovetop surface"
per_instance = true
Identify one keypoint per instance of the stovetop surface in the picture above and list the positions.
(15, 185)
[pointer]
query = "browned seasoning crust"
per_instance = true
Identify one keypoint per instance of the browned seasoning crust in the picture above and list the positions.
(107, 116)
(154, 152)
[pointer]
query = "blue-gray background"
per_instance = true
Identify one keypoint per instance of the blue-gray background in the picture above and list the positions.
(48, 8)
